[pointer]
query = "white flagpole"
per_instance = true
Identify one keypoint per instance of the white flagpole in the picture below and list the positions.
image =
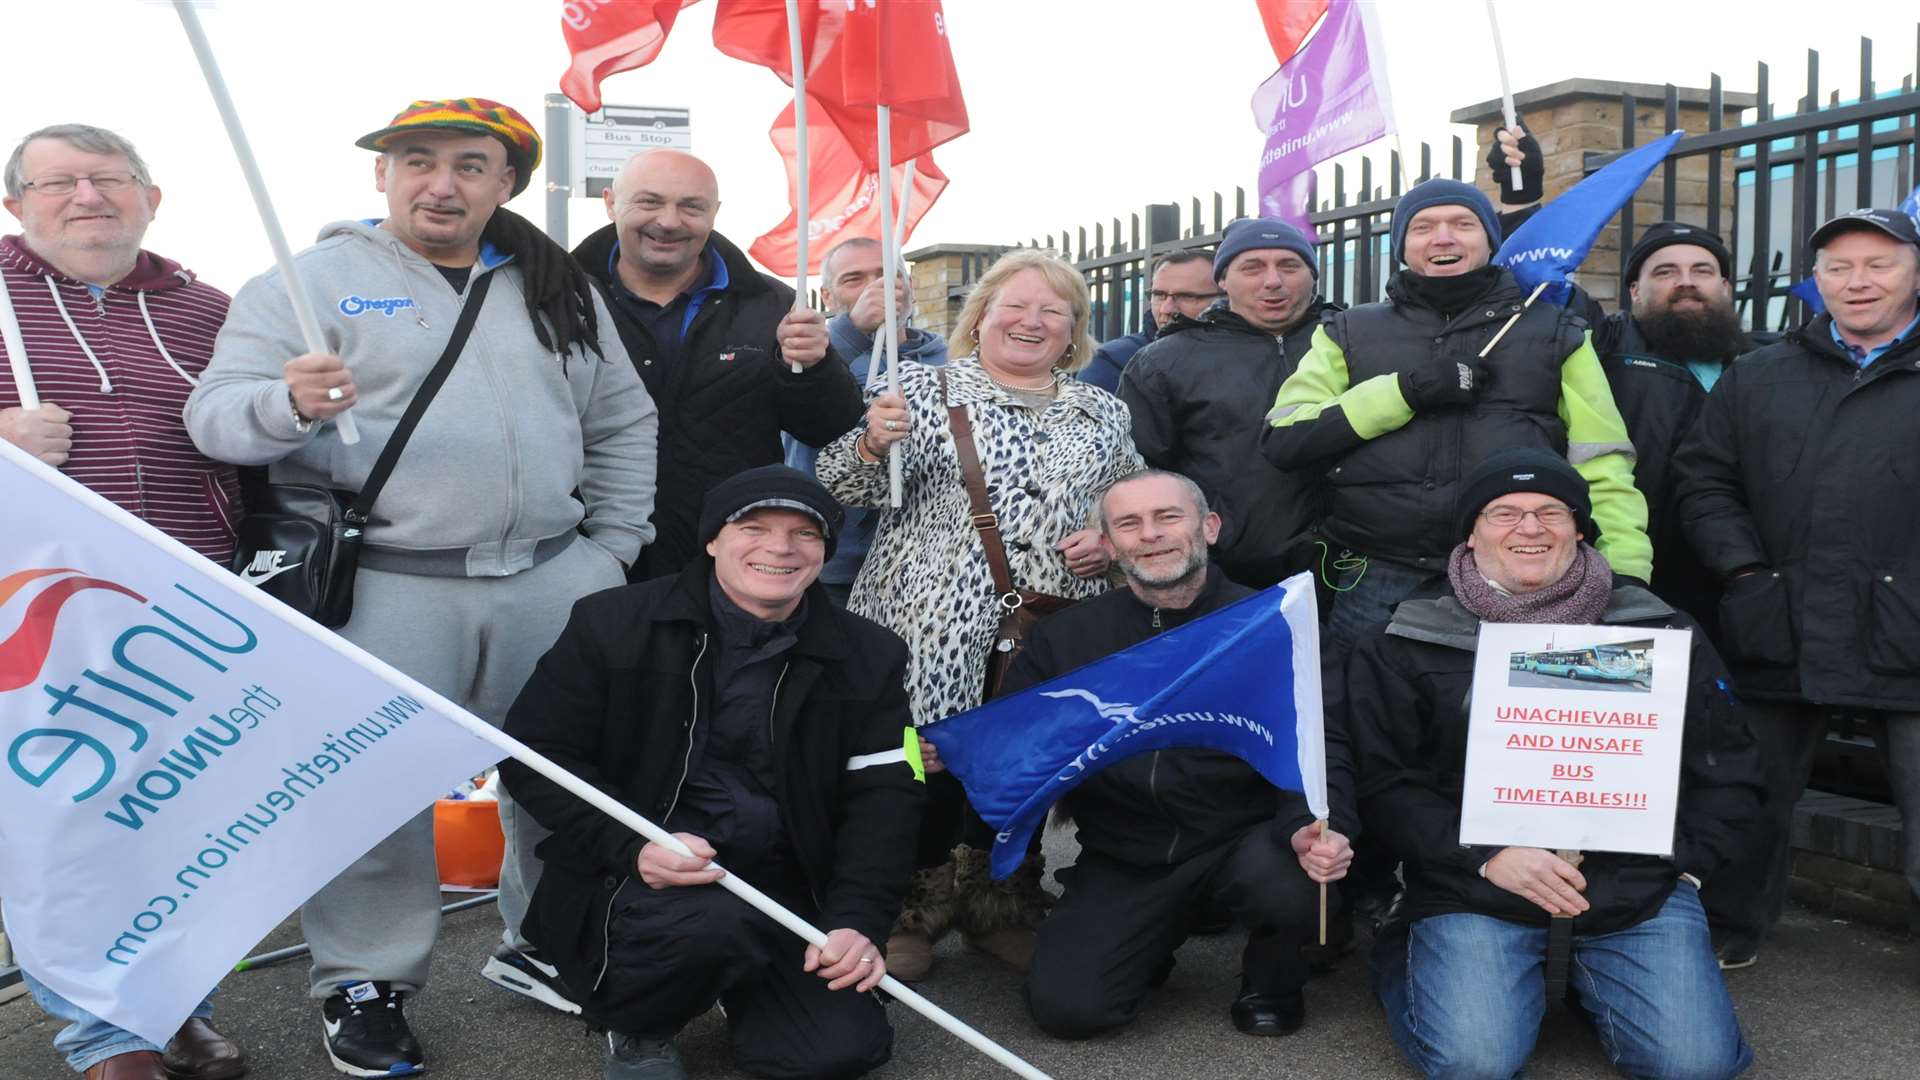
(889, 256)
(507, 745)
(16, 350)
(899, 239)
(1506, 88)
(282, 255)
(800, 180)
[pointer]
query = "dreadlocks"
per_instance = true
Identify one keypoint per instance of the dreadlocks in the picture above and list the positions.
(559, 296)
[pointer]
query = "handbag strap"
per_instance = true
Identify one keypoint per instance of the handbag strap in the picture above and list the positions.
(984, 520)
(362, 508)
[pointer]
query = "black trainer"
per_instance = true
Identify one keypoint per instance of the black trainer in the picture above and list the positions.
(367, 1033)
(631, 1058)
(522, 972)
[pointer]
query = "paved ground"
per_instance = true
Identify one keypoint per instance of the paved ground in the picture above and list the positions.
(1559, 682)
(1827, 1000)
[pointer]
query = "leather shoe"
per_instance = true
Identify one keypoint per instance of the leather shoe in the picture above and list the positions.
(198, 1052)
(139, 1065)
(1269, 1014)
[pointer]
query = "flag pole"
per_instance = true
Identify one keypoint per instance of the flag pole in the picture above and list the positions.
(303, 311)
(1506, 88)
(800, 178)
(889, 255)
(1323, 889)
(16, 350)
(1515, 317)
(899, 238)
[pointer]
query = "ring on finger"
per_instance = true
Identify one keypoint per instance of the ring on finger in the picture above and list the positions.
(893, 425)
(866, 959)
(334, 393)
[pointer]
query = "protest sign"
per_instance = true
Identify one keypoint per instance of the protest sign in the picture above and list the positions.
(186, 759)
(1574, 737)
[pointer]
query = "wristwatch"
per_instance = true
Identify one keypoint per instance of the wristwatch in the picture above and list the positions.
(300, 423)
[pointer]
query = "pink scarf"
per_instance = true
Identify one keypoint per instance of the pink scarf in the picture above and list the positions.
(1580, 596)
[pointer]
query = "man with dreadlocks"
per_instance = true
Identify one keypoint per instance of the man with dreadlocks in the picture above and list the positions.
(543, 432)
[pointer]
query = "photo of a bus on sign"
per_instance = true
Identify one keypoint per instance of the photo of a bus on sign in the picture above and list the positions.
(1620, 665)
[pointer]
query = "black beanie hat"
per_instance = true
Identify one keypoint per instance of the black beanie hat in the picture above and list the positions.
(770, 487)
(1538, 471)
(1667, 233)
(1441, 191)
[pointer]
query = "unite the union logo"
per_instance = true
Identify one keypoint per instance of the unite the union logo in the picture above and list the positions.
(24, 651)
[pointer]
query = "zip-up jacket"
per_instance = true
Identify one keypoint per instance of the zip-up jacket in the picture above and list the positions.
(491, 471)
(1806, 468)
(123, 363)
(1408, 695)
(1391, 474)
(1163, 807)
(1199, 395)
(616, 701)
(725, 401)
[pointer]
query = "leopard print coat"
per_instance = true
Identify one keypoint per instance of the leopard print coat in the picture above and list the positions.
(926, 576)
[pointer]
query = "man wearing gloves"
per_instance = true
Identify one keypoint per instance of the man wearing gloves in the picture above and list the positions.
(475, 551)
(768, 729)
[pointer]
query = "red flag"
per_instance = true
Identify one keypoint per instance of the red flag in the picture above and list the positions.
(844, 189)
(756, 31)
(609, 36)
(1288, 22)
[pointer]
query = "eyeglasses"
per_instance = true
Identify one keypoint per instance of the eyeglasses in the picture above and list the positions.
(1506, 517)
(104, 183)
(1160, 296)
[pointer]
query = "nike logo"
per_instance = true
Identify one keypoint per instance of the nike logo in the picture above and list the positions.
(332, 1026)
(254, 578)
(265, 567)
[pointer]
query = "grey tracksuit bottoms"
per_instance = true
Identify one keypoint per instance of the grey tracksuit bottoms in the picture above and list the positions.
(475, 641)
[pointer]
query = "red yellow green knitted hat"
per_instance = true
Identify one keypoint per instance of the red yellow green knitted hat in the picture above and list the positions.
(477, 115)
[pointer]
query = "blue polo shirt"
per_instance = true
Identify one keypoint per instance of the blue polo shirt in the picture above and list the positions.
(1865, 357)
(667, 323)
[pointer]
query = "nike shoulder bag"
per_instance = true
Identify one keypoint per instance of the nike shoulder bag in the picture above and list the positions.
(300, 543)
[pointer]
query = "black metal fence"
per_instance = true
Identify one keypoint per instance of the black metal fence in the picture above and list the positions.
(1788, 173)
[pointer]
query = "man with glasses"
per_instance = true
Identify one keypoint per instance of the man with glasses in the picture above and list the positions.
(1182, 288)
(1200, 392)
(115, 337)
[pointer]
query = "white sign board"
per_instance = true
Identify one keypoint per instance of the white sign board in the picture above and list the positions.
(1574, 737)
(603, 141)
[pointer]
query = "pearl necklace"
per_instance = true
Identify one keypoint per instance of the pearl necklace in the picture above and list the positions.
(1048, 385)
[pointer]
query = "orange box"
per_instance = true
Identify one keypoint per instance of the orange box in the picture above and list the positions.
(467, 842)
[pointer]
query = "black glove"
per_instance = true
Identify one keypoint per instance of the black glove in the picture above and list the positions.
(1440, 382)
(1533, 170)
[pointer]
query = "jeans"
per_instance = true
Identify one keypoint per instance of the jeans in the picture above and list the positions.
(1365, 598)
(88, 1040)
(1465, 997)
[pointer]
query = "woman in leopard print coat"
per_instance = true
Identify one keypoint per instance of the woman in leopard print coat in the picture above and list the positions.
(1048, 444)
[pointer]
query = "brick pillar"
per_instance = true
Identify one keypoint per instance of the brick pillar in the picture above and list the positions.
(1577, 117)
(941, 276)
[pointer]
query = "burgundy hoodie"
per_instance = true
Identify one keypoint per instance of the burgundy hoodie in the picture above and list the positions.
(149, 334)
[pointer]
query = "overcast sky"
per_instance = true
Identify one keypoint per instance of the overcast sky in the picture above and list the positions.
(1081, 109)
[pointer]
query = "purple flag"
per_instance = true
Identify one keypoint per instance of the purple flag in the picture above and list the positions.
(1330, 98)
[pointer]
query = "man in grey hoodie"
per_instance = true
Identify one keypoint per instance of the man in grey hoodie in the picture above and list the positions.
(474, 556)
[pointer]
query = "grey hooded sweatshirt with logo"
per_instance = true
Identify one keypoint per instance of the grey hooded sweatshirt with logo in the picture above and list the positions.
(497, 458)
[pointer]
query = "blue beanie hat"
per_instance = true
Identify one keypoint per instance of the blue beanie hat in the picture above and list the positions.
(1253, 234)
(1440, 191)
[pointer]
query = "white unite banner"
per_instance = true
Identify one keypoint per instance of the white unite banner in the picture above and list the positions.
(1574, 737)
(186, 759)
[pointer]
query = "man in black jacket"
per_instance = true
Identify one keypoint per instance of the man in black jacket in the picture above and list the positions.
(1166, 832)
(1461, 979)
(714, 340)
(1199, 394)
(1798, 487)
(768, 730)
(1661, 357)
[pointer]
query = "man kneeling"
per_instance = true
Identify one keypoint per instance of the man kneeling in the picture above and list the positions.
(1173, 831)
(1462, 979)
(762, 725)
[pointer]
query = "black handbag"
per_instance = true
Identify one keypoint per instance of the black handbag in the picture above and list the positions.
(300, 543)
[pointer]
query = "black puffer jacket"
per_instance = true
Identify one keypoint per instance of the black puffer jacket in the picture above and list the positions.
(1807, 468)
(725, 403)
(1409, 692)
(614, 702)
(1199, 395)
(1165, 806)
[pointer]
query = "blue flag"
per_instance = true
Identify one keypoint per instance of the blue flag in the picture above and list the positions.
(1244, 680)
(1808, 293)
(1551, 244)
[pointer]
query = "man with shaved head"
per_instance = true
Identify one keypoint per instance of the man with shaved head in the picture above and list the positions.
(715, 341)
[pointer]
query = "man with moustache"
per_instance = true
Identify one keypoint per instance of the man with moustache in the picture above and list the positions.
(714, 340)
(1798, 488)
(1661, 357)
(1199, 394)
(1164, 833)
(1181, 287)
